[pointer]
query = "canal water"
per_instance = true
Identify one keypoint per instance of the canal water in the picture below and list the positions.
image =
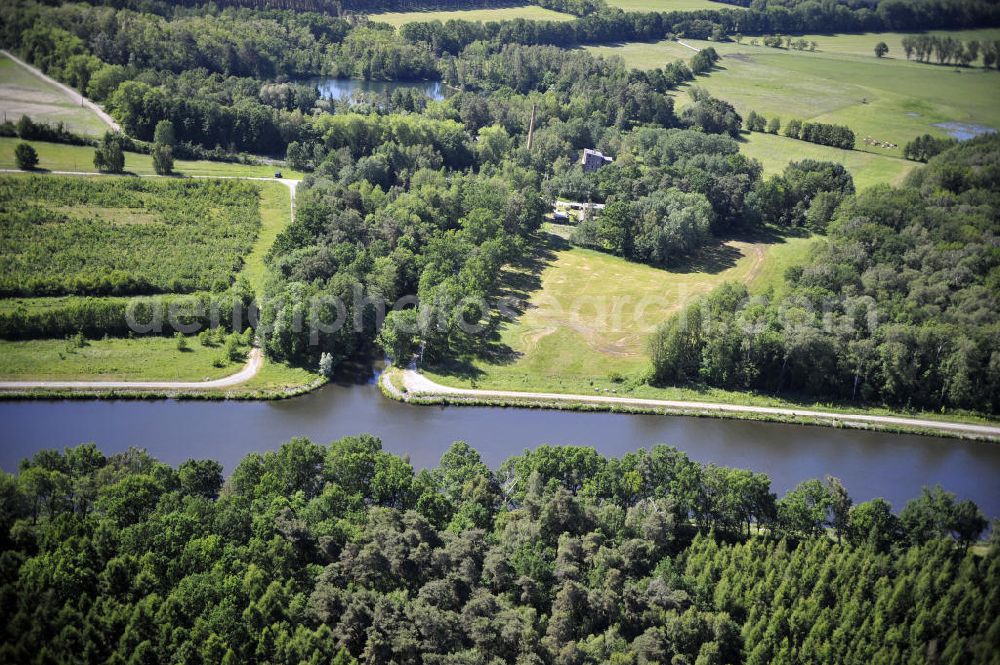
(871, 464)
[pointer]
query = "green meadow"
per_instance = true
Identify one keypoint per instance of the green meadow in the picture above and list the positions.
(587, 314)
(889, 99)
(23, 93)
(140, 359)
(864, 44)
(667, 5)
(529, 12)
(774, 152)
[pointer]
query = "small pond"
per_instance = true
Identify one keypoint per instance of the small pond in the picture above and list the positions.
(344, 89)
(963, 131)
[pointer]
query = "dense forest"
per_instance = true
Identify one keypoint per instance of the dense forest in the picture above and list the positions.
(225, 73)
(345, 553)
(899, 306)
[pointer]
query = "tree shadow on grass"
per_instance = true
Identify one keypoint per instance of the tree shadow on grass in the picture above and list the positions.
(518, 282)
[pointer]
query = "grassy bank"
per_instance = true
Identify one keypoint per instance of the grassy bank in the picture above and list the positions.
(61, 157)
(23, 93)
(395, 390)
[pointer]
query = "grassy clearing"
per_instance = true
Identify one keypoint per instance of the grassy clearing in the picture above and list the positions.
(667, 5)
(529, 12)
(775, 152)
(139, 359)
(275, 215)
(22, 93)
(588, 313)
(61, 157)
(889, 99)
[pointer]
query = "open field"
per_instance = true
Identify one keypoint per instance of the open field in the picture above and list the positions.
(140, 359)
(589, 313)
(775, 152)
(530, 12)
(667, 5)
(864, 44)
(67, 234)
(21, 93)
(889, 99)
(62, 157)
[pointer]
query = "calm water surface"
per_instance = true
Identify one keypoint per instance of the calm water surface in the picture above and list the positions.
(343, 89)
(870, 463)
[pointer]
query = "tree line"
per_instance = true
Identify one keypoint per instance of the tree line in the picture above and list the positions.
(897, 307)
(765, 17)
(345, 553)
(946, 50)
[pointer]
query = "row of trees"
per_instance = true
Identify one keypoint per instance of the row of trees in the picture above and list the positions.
(837, 136)
(897, 307)
(345, 553)
(926, 146)
(947, 50)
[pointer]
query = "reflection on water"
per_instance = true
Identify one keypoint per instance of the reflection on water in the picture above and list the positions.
(344, 89)
(871, 464)
(963, 131)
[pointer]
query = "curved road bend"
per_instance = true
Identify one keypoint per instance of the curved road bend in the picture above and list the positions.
(254, 362)
(248, 372)
(419, 384)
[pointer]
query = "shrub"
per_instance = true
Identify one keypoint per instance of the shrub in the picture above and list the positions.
(25, 157)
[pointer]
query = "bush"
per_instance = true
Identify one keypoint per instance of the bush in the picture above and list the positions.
(25, 157)
(163, 159)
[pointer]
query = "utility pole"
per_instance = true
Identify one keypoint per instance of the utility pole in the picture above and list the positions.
(531, 126)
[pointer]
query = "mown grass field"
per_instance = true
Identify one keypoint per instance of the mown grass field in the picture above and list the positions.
(61, 157)
(667, 5)
(889, 99)
(589, 313)
(140, 359)
(530, 12)
(22, 93)
(775, 152)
